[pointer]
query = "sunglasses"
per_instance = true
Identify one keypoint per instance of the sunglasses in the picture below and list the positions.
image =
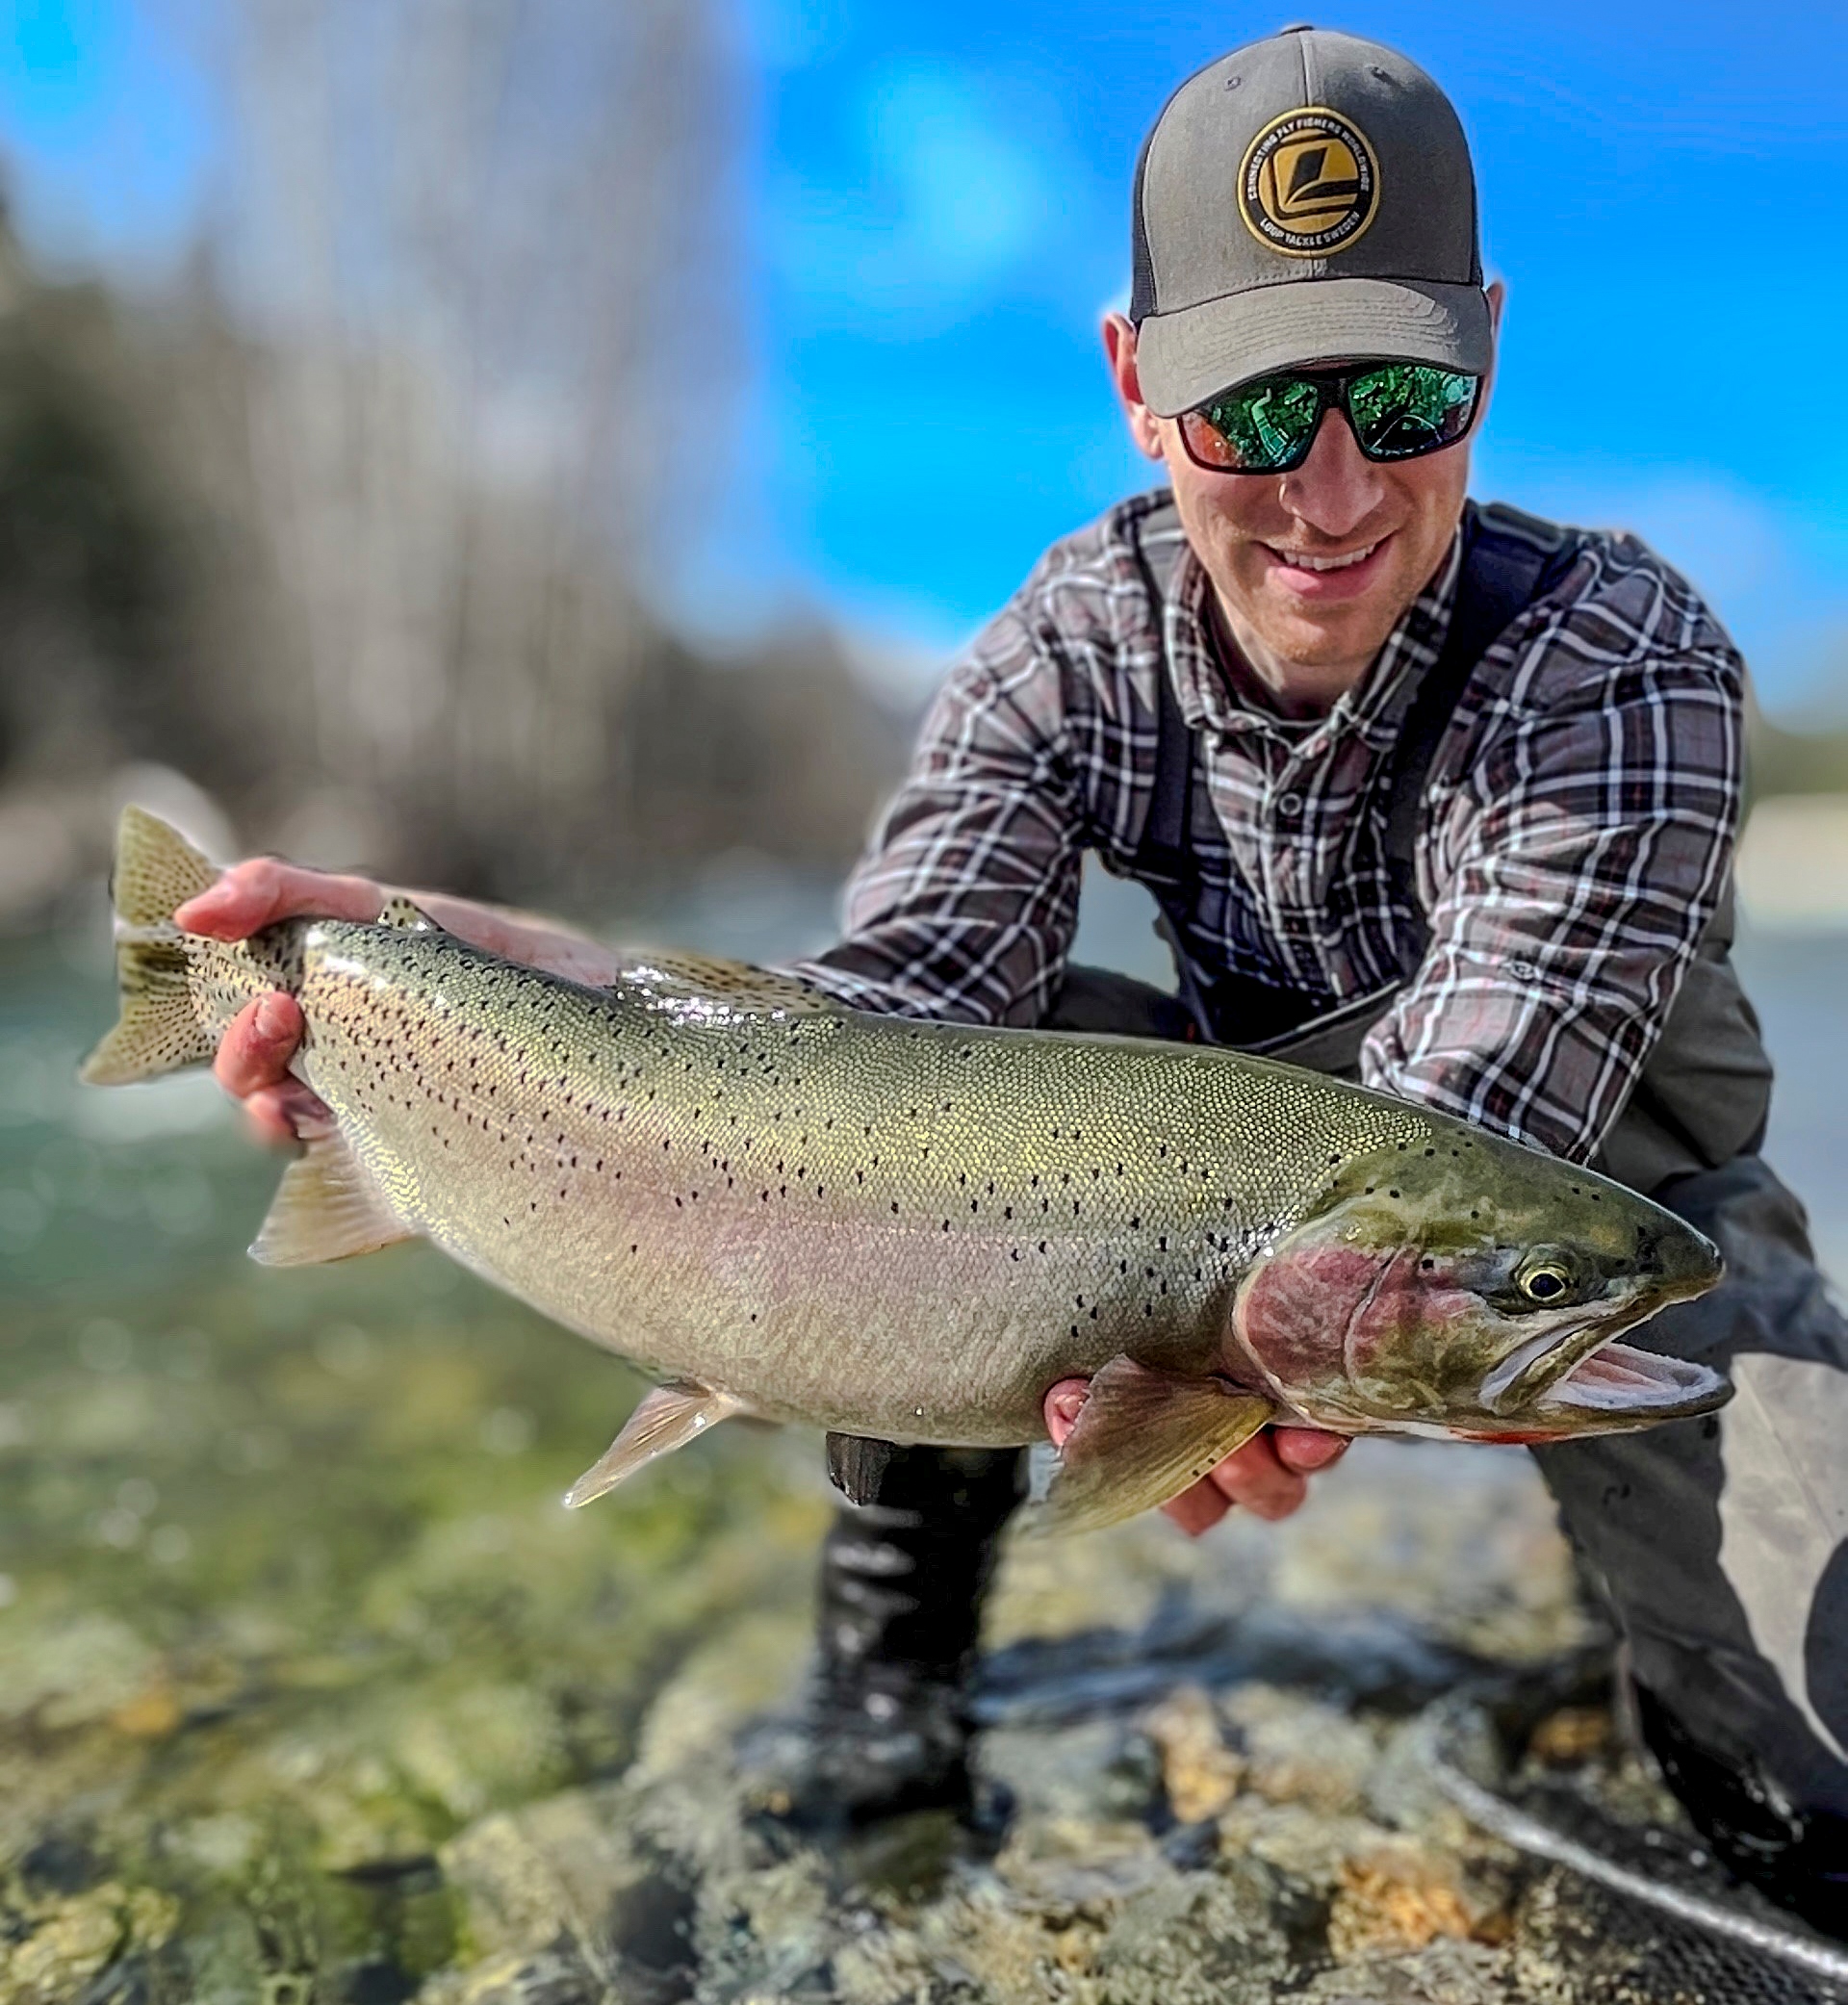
(1399, 410)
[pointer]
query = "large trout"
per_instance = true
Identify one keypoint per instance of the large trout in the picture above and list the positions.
(780, 1207)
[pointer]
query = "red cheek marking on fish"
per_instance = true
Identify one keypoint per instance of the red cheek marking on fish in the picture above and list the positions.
(1296, 1312)
(1408, 1298)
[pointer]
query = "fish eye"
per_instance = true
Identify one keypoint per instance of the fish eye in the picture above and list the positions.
(1545, 1279)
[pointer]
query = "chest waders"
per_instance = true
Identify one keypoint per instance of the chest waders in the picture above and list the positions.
(1721, 1548)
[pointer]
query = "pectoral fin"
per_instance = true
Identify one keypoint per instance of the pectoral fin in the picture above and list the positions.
(668, 1418)
(327, 1207)
(1143, 1436)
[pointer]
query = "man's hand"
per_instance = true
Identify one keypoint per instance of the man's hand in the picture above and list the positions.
(252, 1064)
(1269, 1476)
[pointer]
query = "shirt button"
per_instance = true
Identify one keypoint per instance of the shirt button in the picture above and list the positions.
(1523, 970)
(1290, 807)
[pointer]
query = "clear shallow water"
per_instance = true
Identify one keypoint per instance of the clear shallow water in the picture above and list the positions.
(1799, 983)
(309, 1688)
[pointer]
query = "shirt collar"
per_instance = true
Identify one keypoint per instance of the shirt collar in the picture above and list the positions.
(1376, 705)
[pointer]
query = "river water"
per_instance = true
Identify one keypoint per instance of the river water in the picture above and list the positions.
(309, 1689)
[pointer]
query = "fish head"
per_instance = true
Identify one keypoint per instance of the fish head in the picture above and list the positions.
(1463, 1285)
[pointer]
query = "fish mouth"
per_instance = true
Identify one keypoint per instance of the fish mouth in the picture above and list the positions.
(1589, 1371)
(1619, 1378)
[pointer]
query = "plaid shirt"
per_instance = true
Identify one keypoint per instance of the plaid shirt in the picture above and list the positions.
(1578, 828)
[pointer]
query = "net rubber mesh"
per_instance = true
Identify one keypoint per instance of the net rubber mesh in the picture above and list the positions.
(1633, 1912)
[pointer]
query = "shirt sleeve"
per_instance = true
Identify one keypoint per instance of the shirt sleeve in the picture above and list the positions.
(966, 900)
(1581, 857)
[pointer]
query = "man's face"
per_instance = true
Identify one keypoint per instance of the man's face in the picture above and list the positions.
(1385, 527)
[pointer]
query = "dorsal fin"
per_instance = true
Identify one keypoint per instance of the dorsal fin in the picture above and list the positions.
(677, 978)
(406, 915)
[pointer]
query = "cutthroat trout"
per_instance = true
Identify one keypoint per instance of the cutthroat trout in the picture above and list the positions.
(780, 1207)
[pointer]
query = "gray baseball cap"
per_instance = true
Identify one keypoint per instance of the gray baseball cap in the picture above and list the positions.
(1304, 200)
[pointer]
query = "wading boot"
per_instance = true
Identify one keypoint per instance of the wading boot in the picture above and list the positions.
(903, 1576)
(1798, 1857)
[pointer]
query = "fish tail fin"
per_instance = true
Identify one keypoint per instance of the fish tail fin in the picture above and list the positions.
(157, 869)
(159, 1030)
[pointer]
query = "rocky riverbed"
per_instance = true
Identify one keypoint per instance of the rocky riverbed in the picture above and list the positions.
(310, 1690)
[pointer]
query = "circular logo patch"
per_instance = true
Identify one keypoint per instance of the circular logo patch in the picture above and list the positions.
(1309, 185)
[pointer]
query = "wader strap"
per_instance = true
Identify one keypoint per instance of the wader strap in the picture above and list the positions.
(1164, 847)
(1164, 856)
(1509, 559)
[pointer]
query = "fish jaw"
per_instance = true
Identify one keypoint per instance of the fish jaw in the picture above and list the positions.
(1615, 1388)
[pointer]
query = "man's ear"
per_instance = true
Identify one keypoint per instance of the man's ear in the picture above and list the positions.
(1498, 294)
(1119, 351)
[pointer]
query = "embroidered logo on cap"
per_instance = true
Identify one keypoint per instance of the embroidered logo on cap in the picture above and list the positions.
(1309, 185)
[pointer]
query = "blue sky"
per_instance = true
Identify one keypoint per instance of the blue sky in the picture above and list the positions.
(937, 215)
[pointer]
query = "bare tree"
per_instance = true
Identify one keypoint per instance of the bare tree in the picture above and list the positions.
(348, 523)
(479, 242)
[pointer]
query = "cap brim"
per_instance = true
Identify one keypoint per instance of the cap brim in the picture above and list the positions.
(1185, 357)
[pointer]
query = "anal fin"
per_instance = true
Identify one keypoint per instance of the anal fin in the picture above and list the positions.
(1143, 1436)
(668, 1418)
(327, 1207)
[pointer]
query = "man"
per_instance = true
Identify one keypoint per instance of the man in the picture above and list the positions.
(1438, 797)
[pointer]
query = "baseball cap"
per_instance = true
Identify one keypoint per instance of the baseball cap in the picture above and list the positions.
(1306, 198)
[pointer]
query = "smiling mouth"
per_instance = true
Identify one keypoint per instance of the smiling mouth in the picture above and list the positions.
(1301, 560)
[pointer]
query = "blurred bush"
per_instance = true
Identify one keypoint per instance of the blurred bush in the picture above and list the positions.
(346, 523)
(1787, 762)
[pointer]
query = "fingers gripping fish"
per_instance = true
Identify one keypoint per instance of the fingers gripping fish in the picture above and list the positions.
(778, 1205)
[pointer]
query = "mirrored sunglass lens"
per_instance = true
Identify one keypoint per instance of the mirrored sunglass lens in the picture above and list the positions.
(1407, 408)
(1260, 428)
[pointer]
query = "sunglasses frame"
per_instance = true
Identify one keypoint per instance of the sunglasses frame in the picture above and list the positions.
(1332, 387)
